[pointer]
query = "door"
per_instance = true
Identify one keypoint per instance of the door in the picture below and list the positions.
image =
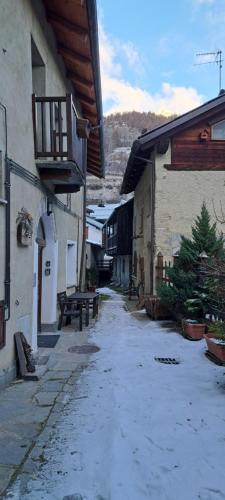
(40, 240)
(40, 258)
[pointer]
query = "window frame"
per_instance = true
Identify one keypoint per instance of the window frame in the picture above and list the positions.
(212, 129)
(71, 260)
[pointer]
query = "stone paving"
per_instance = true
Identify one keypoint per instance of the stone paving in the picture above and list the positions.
(29, 410)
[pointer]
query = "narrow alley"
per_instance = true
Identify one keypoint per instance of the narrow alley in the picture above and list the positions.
(134, 428)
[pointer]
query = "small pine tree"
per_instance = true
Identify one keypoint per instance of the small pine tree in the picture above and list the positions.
(184, 282)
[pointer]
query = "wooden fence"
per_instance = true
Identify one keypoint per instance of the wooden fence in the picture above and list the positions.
(161, 270)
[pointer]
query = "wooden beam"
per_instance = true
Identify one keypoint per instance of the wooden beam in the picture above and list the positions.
(94, 154)
(93, 146)
(79, 80)
(50, 175)
(195, 167)
(86, 107)
(64, 24)
(85, 99)
(71, 188)
(94, 162)
(74, 55)
(92, 169)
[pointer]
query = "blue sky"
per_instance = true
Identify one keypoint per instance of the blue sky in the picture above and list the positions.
(148, 53)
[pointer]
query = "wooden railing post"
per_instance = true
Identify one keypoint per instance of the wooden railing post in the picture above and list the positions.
(69, 111)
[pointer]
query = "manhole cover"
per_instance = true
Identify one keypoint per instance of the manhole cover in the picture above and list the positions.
(168, 361)
(84, 349)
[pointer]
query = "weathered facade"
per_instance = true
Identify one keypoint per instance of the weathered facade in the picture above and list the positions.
(49, 50)
(172, 170)
(118, 235)
(94, 250)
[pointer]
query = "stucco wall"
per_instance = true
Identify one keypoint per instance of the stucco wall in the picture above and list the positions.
(178, 200)
(19, 20)
(141, 240)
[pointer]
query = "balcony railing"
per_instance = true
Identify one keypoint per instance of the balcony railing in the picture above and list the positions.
(55, 130)
(104, 265)
(111, 244)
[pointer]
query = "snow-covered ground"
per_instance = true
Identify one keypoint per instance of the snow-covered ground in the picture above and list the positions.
(138, 429)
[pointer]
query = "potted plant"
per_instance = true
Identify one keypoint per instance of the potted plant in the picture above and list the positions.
(92, 279)
(194, 326)
(215, 340)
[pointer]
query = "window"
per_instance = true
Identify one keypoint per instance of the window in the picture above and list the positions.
(123, 266)
(71, 264)
(218, 131)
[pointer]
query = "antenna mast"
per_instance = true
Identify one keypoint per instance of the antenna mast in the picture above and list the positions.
(217, 59)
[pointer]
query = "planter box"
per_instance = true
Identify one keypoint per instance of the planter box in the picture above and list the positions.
(217, 350)
(194, 331)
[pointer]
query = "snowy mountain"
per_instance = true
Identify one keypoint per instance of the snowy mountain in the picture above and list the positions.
(120, 130)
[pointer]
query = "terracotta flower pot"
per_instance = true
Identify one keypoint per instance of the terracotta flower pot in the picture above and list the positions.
(194, 330)
(217, 350)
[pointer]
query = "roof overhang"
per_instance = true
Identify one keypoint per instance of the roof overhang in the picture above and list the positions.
(75, 26)
(145, 144)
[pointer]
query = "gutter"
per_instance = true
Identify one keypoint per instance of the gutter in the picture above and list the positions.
(93, 25)
(6, 202)
(135, 148)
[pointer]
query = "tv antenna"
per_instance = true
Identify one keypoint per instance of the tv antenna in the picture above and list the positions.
(216, 58)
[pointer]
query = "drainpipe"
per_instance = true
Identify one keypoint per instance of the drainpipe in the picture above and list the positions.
(83, 250)
(152, 236)
(7, 221)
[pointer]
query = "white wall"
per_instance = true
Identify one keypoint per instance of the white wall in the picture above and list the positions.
(18, 21)
(94, 235)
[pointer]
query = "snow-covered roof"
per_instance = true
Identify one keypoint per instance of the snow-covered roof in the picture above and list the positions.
(94, 222)
(103, 212)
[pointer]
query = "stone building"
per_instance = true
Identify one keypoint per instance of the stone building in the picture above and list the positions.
(50, 135)
(172, 170)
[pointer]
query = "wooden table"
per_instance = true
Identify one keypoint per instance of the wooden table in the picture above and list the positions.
(87, 299)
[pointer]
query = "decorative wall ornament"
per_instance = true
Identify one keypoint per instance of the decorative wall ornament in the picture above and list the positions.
(204, 135)
(24, 228)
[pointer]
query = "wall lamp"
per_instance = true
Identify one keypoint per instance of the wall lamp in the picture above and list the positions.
(49, 207)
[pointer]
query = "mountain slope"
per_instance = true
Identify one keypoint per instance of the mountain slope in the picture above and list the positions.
(120, 130)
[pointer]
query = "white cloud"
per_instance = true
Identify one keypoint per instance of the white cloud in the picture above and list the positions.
(132, 54)
(120, 95)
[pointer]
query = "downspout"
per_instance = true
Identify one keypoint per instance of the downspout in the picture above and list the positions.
(83, 249)
(7, 222)
(152, 230)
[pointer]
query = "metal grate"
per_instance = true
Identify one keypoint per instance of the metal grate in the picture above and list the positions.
(167, 361)
(84, 349)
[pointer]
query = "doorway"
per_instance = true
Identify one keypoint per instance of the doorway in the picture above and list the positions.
(41, 245)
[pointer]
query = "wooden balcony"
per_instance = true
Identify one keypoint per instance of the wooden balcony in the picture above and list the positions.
(59, 151)
(111, 244)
